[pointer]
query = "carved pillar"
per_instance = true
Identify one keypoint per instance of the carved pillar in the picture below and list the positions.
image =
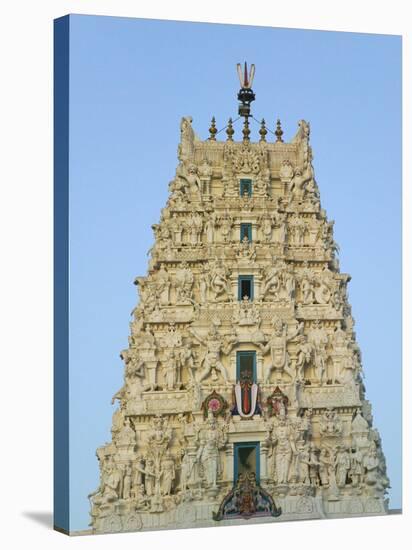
(229, 462)
(264, 461)
(257, 281)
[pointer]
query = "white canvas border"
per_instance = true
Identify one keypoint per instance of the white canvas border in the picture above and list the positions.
(26, 228)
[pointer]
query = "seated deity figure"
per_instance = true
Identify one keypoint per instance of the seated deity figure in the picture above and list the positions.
(246, 250)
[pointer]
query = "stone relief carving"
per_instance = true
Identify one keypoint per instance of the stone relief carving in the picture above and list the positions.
(277, 346)
(167, 458)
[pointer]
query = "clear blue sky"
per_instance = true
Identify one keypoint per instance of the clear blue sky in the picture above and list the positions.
(131, 81)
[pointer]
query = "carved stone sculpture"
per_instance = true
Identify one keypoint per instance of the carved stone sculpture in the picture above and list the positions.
(233, 403)
(277, 346)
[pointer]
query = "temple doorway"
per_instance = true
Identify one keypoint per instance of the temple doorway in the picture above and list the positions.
(247, 459)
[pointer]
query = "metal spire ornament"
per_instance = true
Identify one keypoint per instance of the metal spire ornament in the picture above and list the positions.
(245, 95)
(279, 131)
(213, 130)
(230, 131)
(263, 130)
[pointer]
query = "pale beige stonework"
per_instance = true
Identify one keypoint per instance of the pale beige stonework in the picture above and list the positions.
(169, 465)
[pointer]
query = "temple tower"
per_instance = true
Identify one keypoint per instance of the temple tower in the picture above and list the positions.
(243, 394)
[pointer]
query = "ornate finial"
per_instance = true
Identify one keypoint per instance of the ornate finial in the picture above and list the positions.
(246, 130)
(279, 131)
(213, 130)
(245, 78)
(263, 130)
(245, 95)
(230, 131)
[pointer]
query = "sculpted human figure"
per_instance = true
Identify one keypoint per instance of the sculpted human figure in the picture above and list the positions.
(342, 464)
(205, 169)
(313, 465)
(296, 184)
(266, 225)
(204, 284)
(185, 471)
(329, 423)
(176, 227)
(127, 435)
(325, 465)
(371, 465)
(246, 313)
(325, 287)
(160, 435)
(168, 473)
(184, 280)
(209, 451)
(319, 338)
(210, 228)
(272, 284)
(277, 346)
(289, 282)
(187, 136)
(282, 225)
(186, 358)
(163, 286)
(225, 223)
(193, 180)
(214, 348)
(303, 463)
(246, 250)
(299, 230)
(304, 356)
(286, 170)
(134, 374)
(146, 343)
(150, 475)
(198, 221)
(138, 472)
(356, 467)
(170, 369)
(283, 450)
(307, 287)
(127, 482)
(219, 282)
(111, 482)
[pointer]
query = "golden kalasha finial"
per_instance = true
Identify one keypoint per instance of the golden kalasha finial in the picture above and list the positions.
(279, 131)
(230, 131)
(213, 130)
(246, 130)
(263, 130)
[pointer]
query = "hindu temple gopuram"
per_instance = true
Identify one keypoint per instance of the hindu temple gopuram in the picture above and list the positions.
(243, 396)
